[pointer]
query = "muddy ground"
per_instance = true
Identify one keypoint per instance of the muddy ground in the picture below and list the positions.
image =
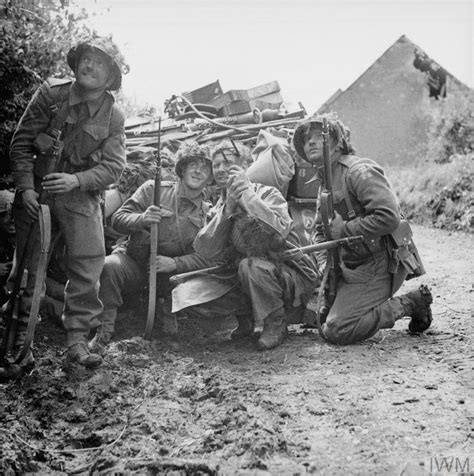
(206, 405)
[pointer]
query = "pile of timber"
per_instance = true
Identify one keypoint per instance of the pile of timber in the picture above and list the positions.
(208, 114)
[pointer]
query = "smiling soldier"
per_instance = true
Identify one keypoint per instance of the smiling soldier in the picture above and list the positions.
(181, 215)
(80, 120)
(250, 227)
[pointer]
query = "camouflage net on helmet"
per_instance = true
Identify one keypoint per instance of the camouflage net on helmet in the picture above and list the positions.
(141, 166)
(236, 149)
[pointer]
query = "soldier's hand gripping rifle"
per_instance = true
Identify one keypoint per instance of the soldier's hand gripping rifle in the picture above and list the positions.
(9, 355)
(150, 320)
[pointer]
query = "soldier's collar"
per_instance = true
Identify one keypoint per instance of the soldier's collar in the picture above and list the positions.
(75, 97)
(180, 193)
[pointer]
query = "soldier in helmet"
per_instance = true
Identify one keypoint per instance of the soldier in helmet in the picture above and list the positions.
(181, 214)
(371, 272)
(250, 227)
(90, 127)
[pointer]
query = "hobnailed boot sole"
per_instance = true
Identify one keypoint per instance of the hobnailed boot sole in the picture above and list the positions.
(422, 316)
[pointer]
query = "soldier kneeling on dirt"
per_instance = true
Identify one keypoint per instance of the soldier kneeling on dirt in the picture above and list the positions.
(250, 227)
(181, 215)
(371, 271)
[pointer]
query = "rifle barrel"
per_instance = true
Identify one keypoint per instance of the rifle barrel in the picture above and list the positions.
(325, 245)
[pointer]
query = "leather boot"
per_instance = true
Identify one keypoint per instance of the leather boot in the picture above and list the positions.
(274, 331)
(17, 371)
(244, 327)
(416, 304)
(99, 343)
(80, 354)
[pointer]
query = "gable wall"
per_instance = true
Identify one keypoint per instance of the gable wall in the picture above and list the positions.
(384, 107)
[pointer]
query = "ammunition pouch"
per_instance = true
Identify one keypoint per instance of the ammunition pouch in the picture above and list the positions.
(403, 251)
(46, 145)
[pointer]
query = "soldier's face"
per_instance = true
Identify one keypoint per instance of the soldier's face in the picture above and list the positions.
(94, 71)
(221, 164)
(197, 174)
(313, 145)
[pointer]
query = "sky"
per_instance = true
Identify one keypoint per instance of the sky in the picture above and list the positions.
(311, 47)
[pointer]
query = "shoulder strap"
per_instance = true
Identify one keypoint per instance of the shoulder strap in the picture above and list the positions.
(347, 161)
(59, 109)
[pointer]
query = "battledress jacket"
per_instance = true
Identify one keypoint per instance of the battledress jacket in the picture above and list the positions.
(367, 203)
(176, 231)
(221, 241)
(94, 151)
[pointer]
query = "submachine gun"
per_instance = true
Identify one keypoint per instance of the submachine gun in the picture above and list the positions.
(41, 227)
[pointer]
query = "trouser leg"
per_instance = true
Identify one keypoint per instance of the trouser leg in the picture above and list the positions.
(361, 306)
(120, 273)
(80, 220)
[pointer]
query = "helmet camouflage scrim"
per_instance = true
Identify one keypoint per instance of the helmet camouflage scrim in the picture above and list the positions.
(106, 46)
(240, 151)
(188, 152)
(337, 130)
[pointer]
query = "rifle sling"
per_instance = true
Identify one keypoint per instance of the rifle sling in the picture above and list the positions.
(44, 220)
(322, 287)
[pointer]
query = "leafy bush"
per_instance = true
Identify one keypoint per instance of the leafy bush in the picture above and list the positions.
(33, 44)
(437, 194)
(451, 126)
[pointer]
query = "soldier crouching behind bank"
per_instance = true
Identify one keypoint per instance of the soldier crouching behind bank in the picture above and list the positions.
(250, 226)
(77, 126)
(182, 213)
(371, 271)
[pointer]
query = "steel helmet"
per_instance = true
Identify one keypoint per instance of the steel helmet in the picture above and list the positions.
(337, 130)
(189, 151)
(106, 46)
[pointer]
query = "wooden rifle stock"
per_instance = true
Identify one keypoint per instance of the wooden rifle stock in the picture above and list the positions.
(42, 227)
(150, 320)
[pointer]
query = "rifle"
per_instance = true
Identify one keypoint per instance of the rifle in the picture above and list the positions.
(293, 253)
(41, 226)
(150, 320)
(329, 282)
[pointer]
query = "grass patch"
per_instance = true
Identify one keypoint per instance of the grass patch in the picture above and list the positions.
(435, 194)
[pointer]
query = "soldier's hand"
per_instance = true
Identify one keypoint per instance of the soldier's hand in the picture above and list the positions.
(337, 226)
(30, 203)
(238, 182)
(60, 182)
(165, 264)
(154, 214)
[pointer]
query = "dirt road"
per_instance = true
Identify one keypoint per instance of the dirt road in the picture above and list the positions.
(396, 405)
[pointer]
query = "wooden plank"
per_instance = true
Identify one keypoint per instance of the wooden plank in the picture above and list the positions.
(263, 90)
